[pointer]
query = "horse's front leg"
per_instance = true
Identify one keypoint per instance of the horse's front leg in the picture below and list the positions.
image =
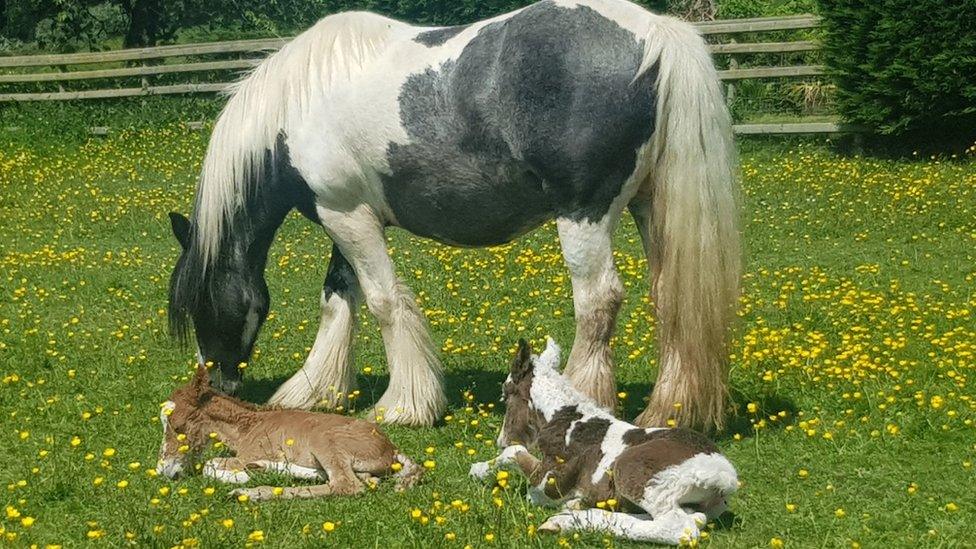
(515, 455)
(597, 294)
(224, 469)
(327, 376)
(415, 395)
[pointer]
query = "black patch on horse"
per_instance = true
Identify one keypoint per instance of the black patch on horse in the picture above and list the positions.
(695, 441)
(552, 437)
(589, 433)
(340, 277)
(539, 116)
(437, 37)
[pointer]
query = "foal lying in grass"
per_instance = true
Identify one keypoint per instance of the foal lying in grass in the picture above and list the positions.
(344, 451)
(676, 477)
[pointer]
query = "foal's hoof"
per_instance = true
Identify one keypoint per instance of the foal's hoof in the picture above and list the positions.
(480, 470)
(557, 523)
(261, 493)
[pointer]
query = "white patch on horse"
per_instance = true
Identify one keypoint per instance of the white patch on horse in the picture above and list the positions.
(276, 97)
(704, 479)
(550, 391)
(168, 467)
(296, 471)
(569, 432)
(211, 470)
(670, 529)
(612, 446)
(326, 374)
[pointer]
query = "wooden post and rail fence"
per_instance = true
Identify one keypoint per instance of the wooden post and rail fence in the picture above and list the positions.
(211, 67)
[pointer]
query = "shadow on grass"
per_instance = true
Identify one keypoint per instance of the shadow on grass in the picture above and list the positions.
(486, 387)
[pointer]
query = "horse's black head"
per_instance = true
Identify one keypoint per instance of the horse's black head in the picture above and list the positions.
(226, 301)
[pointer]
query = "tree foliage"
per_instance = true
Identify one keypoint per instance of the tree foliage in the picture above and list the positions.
(66, 25)
(904, 67)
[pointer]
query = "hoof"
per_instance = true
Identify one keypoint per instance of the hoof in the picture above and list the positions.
(557, 523)
(479, 470)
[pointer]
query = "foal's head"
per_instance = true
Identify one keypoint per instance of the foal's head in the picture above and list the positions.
(227, 302)
(184, 435)
(523, 420)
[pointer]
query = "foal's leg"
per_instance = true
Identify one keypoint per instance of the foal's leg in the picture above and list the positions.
(669, 529)
(415, 395)
(597, 293)
(343, 481)
(327, 376)
(511, 455)
(230, 470)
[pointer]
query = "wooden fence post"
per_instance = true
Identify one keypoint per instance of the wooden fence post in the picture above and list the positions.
(730, 87)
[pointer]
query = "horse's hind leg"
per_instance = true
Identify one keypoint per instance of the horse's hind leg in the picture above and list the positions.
(597, 294)
(670, 529)
(327, 376)
(415, 395)
(343, 481)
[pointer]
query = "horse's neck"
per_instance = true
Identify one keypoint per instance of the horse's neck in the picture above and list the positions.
(228, 419)
(551, 392)
(280, 190)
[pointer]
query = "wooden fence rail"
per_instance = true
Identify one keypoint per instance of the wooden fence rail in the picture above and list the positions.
(214, 66)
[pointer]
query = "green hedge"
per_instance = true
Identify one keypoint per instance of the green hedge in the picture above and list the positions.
(906, 68)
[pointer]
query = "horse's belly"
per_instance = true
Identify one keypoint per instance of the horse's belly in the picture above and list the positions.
(465, 200)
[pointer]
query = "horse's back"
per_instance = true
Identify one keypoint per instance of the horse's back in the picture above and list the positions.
(532, 115)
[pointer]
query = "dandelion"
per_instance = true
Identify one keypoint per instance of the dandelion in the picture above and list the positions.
(328, 526)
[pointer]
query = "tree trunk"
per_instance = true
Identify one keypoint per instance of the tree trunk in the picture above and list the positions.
(144, 23)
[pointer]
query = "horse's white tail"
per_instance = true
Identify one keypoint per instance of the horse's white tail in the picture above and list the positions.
(693, 240)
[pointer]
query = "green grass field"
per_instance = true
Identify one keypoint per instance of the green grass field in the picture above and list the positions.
(855, 422)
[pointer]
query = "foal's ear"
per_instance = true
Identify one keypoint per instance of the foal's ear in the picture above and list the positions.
(201, 380)
(181, 228)
(523, 360)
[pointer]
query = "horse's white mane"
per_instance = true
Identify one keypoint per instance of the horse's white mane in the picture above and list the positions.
(551, 390)
(269, 100)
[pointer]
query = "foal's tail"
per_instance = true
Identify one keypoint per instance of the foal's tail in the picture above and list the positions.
(691, 237)
(409, 475)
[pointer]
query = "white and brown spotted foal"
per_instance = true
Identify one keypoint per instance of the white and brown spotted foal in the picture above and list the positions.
(343, 451)
(675, 478)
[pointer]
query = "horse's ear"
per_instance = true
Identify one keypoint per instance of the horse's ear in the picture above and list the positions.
(181, 228)
(523, 360)
(201, 380)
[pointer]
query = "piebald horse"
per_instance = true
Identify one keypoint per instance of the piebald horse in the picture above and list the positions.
(473, 135)
(675, 479)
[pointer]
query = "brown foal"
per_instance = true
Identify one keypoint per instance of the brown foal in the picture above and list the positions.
(343, 451)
